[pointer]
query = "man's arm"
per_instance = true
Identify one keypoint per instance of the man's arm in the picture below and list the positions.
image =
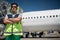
(19, 18)
(7, 21)
(16, 19)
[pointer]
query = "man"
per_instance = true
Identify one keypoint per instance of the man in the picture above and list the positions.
(13, 22)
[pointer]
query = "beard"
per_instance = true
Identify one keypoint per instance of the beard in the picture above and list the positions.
(14, 12)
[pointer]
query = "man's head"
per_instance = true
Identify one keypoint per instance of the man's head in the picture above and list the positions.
(14, 7)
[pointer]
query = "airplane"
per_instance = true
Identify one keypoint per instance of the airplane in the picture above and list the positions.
(37, 21)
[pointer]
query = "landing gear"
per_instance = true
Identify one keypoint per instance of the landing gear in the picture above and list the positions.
(33, 34)
(40, 34)
(43, 34)
(27, 35)
(51, 34)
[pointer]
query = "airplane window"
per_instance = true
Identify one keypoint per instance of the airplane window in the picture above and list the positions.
(59, 15)
(37, 16)
(43, 16)
(31, 17)
(28, 17)
(56, 15)
(40, 16)
(34, 17)
(50, 16)
(47, 16)
(53, 15)
(23, 17)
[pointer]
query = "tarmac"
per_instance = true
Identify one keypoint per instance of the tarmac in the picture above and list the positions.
(40, 39)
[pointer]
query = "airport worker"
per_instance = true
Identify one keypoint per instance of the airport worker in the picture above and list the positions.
(13, 24)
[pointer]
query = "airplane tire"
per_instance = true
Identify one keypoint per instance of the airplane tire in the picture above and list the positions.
(40, 34)
(27, 35)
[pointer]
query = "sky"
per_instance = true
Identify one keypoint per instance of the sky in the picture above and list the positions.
(37, 5)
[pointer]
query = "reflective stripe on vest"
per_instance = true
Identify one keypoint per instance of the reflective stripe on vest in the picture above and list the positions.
(7, 34)
(17, 27)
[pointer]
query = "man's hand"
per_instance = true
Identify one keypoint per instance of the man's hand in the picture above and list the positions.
(11, 19)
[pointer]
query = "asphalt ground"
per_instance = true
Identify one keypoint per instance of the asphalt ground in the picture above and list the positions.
(40, 39)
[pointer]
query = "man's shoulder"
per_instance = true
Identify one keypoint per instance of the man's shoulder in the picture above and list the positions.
(13, 14)
(9, 14)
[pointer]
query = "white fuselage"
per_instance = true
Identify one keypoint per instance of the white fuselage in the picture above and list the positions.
(41, 20)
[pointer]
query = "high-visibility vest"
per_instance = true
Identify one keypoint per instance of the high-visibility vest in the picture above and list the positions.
(15, 28)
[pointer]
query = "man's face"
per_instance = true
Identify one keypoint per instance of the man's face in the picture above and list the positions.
(14, 8)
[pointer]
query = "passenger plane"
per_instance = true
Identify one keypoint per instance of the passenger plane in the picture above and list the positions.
(41, 20)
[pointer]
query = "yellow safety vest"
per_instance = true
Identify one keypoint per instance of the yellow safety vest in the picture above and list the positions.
(17, 29)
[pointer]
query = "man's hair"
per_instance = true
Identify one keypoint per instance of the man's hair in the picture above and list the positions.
(14, 4)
